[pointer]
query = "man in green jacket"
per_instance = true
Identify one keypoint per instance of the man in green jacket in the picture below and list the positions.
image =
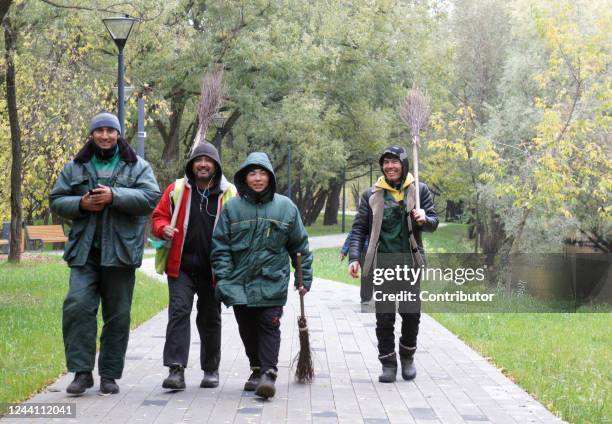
(107, 191)
(257, 233)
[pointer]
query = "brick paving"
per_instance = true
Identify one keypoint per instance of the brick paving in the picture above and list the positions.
(454, 383)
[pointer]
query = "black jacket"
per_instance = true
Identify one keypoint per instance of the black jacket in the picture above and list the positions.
(362, 225)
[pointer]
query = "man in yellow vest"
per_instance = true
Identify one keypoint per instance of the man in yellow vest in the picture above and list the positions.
(205, 191)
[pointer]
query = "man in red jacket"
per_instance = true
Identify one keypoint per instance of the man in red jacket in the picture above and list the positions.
(189, 271)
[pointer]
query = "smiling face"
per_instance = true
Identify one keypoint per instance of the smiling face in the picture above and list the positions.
(203, 169)
(258, 180)
(392, 168)
(105, 138)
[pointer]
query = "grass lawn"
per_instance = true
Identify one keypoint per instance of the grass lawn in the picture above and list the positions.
(31, 346)
(318, 229)
(563, 360)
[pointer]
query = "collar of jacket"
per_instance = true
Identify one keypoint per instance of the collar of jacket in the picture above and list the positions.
(126, 153)
(224, 184)
(398, 195)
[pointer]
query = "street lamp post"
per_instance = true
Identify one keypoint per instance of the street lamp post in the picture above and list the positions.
(343, 198)
(289, 194)
(119, 28)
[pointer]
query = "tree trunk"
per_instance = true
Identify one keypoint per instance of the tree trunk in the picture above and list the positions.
(170, 134)
(514, 248)
(227, 127)
(332, 205)
(16, 165)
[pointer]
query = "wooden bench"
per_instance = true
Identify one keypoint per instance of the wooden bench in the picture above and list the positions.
(46, 233)
(6, 242)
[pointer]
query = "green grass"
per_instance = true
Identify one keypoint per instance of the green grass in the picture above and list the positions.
(448, 238)
(562, 359)
(31, 297)
(318, 229)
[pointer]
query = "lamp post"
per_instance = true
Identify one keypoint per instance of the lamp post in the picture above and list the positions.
(119, 28)
(289, 193)
(343, 197)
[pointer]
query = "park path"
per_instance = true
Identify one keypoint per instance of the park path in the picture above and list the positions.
(454, 383)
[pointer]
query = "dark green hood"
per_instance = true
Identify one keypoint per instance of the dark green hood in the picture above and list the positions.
(255, 159)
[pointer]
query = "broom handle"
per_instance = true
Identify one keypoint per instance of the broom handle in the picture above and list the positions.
(298, 269)
(415, 166)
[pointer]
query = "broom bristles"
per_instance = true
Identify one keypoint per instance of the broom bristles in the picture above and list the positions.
(414, 111)
(304, 372)
(211, 100)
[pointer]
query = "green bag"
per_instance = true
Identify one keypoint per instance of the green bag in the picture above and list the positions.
(162, 247)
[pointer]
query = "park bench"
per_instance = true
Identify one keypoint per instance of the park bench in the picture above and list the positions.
(5, 236)
(46, 234)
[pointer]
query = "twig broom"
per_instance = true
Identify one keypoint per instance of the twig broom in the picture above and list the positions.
(211, 99)
(304, 371)
(415, 113)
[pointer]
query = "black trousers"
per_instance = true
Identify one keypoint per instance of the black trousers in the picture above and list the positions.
(385, 324)
(259, 329)
(90, 286)
(208, 321)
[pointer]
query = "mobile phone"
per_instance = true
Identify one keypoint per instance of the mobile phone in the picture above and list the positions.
(91, 190)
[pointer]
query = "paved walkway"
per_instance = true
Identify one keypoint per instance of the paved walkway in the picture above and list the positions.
(454, 384)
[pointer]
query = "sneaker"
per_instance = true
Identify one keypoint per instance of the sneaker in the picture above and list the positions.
(266, 388)
(175, 379)
(83, 380)
(253, 381)
(108, 386)
(210, 380)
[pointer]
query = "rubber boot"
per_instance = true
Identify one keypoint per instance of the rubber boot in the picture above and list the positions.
(389, 368)
(407, 360)
(266, 388)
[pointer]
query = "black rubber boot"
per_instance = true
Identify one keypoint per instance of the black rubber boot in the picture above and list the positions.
(266, 388)
(407, 360)
(253, 381)
(210, 380)
(82, 381)
(389, 368)
(176, 378)
(108, 386)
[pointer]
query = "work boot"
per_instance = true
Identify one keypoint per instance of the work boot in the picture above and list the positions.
(210, 380)
(176, 378)
(108, 386)
(407, 360)
(266, 388)
(389, 368)
(83, 380)
(253, 381)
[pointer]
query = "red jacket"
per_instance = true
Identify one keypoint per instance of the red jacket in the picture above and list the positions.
(162, 215)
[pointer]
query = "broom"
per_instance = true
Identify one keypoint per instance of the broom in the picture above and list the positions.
(211, 100)
(415, 114)
(304, 371)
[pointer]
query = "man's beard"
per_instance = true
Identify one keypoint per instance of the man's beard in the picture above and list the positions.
(203, 181)
(104, 154)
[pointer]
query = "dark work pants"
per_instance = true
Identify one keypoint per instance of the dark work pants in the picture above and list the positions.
(208, 321)
(259, 329)
(89, 285)
(385, 323)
